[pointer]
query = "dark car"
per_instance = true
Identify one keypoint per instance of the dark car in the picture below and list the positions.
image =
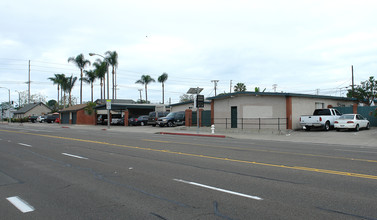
(33, 118)
(141, 120)
(51, 118)
(172, 119)
(153, 116)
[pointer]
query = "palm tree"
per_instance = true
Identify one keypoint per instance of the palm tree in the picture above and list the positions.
(70, 83)
(161, 79)
(100, 68)
(63, 85)
(56, 81)
(145, 80)
(112, 59)
(80, 62)
(91, 76)
(240, 87)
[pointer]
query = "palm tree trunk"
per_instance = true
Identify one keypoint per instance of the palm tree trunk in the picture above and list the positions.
(58, 95)
(113, 83)
(70, 99)
(163, 93)
(81, 88)
(146, 94)
(91, 85)
(101, 88)
(104, 88)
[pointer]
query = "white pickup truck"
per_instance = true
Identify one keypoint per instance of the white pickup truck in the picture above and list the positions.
(323, 118)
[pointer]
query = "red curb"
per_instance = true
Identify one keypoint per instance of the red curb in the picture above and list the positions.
(65, 127)
(189, 134)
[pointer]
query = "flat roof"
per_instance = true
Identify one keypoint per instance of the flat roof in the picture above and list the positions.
(224, 96)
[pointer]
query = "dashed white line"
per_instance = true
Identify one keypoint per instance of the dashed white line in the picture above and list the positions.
(218, 189)
(27, 145)
(71, 155)
(19, 203)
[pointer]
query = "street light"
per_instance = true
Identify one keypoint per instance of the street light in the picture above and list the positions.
(108, 106)
(9, 103)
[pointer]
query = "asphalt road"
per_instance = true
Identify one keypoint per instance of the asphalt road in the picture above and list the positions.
(58, 173)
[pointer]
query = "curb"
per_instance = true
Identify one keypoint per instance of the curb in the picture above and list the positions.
(189, 134)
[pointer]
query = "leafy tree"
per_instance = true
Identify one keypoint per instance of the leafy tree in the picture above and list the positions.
(89, 109)
(112, 59)
(145, 80)
(81, 63)
(366, 92)
(257, 89)
(53, 104)
(240, 87)
(90, 78)
(162, 79)
(186, 98)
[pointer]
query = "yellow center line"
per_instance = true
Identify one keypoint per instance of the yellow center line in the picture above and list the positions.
(341, 173)
(260, 150)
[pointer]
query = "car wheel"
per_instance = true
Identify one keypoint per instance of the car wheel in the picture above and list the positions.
(368, 126)
(307, 128)
(327, 126)
(154, 125)
(357, 128)
(337, 129)
(142, 123)
(170, 124)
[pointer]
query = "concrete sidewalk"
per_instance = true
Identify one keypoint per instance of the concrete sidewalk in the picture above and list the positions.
(365, 138)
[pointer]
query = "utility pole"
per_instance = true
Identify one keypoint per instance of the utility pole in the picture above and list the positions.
(215, 84)
(28, 100)
(353, 89)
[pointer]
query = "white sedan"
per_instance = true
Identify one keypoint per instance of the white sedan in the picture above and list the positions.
(351, 121)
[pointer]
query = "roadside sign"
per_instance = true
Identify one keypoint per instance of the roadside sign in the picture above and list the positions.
(200, 101)
(108, 104)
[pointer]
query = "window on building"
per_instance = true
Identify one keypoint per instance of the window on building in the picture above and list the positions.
(319, 105)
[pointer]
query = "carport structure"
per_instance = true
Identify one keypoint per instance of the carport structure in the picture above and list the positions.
(127, 110)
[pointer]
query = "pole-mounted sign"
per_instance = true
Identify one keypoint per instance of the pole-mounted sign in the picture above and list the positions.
(199, 101)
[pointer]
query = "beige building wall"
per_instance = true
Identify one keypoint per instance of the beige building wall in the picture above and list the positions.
(183, 107)
(306, 106)
(249, 109)
(36, 111)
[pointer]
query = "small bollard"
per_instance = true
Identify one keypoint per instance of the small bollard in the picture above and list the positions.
(213, 129)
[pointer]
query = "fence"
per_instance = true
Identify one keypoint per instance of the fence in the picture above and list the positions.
(252, 123)
(243, 123)
(366, 111)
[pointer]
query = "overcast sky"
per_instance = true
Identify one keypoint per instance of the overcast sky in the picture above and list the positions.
(301, 46)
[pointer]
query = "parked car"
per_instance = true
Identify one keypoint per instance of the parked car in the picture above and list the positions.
(351, 121)
(41, 118)
(153, 116)
(33, 118)
(141, 120)
(321, 118)
(51, 118)
(102, 120)
(172, 119)
(117, 121)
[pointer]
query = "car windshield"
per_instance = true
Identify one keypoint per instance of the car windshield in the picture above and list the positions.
(346, 117)
(171, 114)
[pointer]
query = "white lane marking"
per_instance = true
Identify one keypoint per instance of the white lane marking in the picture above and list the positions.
(359, 151)
(27, 145)
(71, 155)
(19, 203)
(218, 189)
